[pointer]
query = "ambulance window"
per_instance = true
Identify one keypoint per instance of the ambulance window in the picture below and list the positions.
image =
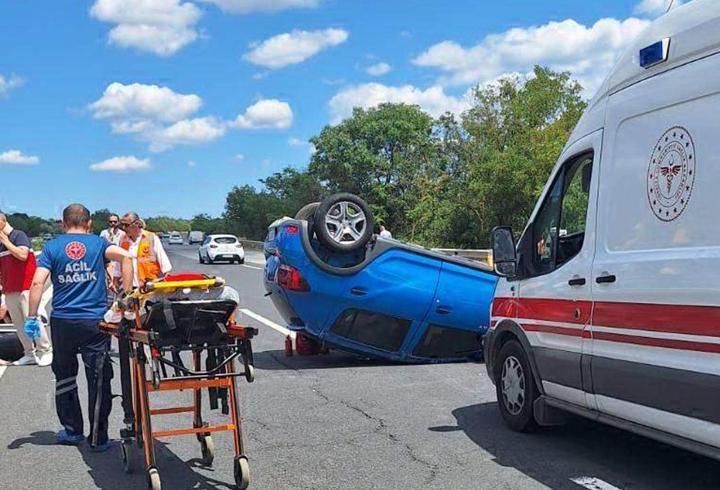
(545, 229)
(574, 210)
(559, 227)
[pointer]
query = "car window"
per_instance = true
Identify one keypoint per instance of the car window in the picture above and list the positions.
(558, 231)
(226, 239)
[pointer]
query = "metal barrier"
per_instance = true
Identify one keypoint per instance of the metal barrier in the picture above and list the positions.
(481, 255)
(252, 244)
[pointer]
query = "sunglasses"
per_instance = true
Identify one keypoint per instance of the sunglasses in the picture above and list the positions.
(113, 222)
(129, 225)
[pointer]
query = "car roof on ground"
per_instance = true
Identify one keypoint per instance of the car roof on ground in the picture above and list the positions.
(222, 236)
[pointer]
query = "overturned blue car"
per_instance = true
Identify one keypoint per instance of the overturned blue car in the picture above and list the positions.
(337, 283)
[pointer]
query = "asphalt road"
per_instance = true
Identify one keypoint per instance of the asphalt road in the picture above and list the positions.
(338, 422)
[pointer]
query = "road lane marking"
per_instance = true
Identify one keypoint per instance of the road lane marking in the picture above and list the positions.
(593, 483)
(268, 322)
(2, 370)
(252, 267)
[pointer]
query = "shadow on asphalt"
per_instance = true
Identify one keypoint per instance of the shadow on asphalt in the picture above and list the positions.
(596, 450)
(107, 471)
(277, 360)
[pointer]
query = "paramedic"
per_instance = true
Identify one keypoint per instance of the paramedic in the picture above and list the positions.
(75, 261)
(150, 261)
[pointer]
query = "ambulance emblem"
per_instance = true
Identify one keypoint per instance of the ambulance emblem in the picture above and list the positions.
(671, 174)
(75, 250)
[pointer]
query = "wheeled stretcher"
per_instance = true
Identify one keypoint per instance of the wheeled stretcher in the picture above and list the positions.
(184, 318)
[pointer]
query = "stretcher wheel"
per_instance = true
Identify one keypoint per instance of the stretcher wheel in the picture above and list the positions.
(127, 456)
(250, 373)
(242, 472)
(207, 446)
(153, 478)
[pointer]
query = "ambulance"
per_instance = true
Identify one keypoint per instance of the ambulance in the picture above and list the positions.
(609, 304)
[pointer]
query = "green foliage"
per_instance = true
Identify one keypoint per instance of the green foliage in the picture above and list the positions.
(167, 224)
(33, 226)
(208, 225)
(444, 182)
(99, 220)
(249, 212)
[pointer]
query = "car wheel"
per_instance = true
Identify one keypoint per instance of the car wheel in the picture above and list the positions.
(241, 261)
(343, 222)
(200, 258)
(209, 260)
(307, 212)
(515, 387)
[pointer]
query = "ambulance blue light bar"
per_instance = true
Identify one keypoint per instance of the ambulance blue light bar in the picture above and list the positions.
(655, 53)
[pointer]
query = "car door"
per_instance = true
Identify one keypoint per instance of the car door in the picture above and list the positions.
(554, 295)
(459, 313)
(656, 322)
(383, 304)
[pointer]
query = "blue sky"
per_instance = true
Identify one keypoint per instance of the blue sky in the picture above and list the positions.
(161, 106)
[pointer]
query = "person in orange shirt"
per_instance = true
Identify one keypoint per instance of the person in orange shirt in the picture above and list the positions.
(150, 261)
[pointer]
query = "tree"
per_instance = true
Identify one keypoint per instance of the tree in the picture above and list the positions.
(516, 131)
(294, 189)
(99, 220)
(376, 154)
(249, 212)
(208, 224)
(166, 224)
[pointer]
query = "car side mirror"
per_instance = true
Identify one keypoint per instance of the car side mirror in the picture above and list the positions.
(504, 254)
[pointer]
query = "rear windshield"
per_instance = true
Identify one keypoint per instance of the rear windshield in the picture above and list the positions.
(226, 239)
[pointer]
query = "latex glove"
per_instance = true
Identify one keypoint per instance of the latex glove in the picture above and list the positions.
(32, 327)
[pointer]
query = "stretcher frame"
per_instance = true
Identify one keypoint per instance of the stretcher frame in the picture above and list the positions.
(135, 341)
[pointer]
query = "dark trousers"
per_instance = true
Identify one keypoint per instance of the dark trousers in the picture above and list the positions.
(70, 338)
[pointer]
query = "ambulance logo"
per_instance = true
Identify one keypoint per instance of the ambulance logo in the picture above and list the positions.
(671, 174)
(75, 250)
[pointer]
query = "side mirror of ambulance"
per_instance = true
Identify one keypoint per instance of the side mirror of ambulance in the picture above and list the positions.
(504, 255)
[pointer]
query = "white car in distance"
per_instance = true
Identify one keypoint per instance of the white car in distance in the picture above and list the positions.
(221, 247)
(175, 239)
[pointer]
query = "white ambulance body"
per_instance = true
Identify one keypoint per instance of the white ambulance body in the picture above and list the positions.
(617, 317)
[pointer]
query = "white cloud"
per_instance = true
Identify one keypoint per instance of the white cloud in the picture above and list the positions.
(121, 164)
(266, 113)
(16, 157)
(157, 115)
(588, 53)
(654, 8)
(293, 47)
(240, 157)
(378, 69)
(187, 132)
(9, 83)
(433, 100)
(191, 163)
(161, 27)
(138, 103)
(264, 6)
(297, 142)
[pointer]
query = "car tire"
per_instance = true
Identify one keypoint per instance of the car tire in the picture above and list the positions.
(307, 212)
(515, 387)
(209, 260)
(200, 258)
(343, 208)
(241, 261)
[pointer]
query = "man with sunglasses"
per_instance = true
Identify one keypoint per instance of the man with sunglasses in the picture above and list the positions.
(112, 233)
(150, 261)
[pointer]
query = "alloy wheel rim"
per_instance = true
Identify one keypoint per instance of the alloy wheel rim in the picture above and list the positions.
(345, 222)
(513, 385)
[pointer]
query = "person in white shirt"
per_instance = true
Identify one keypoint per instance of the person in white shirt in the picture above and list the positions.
(150, 261)
(384, 233)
